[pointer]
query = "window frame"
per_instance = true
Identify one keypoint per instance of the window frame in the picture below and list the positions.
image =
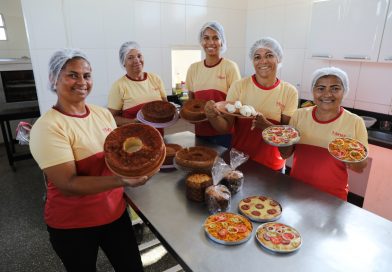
(4, 28)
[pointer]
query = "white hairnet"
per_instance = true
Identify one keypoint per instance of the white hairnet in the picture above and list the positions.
(331, 71)
(219, 30)
(57, 62)
(267, 43)
(124, 50)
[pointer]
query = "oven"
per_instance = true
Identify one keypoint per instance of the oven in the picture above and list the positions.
(17, 89)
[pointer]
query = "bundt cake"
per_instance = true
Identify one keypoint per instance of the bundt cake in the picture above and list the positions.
(197, 157)
(134, 150)
(193, 110)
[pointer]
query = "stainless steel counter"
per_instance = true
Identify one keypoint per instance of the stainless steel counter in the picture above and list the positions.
(337, 236)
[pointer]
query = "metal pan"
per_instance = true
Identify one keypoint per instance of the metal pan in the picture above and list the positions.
(257, 219)
(265, 137)
(140, 117)
(221, 241)
(278, 230)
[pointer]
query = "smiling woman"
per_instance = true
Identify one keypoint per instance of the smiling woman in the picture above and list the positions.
(273, 99)
(210, 79)
(130, 92)
(73, 86)
(320, 125)
(85, 208)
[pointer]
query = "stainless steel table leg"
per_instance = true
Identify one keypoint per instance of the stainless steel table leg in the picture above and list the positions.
(10, 137)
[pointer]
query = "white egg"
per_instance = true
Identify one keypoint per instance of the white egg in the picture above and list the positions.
(245, 111)
(253, 111)
(237, 104)
(230, 108)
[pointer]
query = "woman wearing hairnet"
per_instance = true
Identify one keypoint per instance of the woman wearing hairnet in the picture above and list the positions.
(273, 99)
(211, 78)
(85, 208)
(319, 125)
(130, 92)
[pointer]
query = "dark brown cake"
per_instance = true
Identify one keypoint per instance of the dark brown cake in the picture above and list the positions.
(193, 110)
(158, 111)
(171, 150)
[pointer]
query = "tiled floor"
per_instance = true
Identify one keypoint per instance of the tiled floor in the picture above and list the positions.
(24, 244)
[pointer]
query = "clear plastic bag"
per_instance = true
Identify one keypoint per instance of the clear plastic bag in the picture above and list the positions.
(234, 179)
(217, 198)
(23, 133)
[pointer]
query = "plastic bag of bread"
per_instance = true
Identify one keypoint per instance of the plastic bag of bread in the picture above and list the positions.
(217, 198)
(234, 179)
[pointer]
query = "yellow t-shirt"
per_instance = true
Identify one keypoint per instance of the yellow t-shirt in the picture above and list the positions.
(312, 162)
(57, 138)
(211, 83)
(130, 95)
(281, 98)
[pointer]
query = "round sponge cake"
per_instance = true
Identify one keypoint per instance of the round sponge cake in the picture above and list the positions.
(134, 150)
(158, 111)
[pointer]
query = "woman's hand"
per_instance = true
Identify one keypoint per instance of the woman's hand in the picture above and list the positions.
(134, 182)
(260, 122)
(210, 110)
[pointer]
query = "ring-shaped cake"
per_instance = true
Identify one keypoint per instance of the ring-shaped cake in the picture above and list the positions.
(134, 150)
(197, 157)
(193, 110)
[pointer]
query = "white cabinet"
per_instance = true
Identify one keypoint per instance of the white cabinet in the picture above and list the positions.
(323, 29)
(347, 30)
(386, 44)
(373, 88)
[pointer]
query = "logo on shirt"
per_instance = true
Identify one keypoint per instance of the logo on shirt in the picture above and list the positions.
(107, 130)
(280, 105)
(156, 89)
(338, 134)
(221, 77)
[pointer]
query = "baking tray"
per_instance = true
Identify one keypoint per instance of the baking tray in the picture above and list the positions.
(219, 241)
(283, 144)
(276, 235)
(261, 220)
(140, 117)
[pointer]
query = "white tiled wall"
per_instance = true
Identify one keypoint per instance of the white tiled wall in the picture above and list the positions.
(288, 21)
(100, 27)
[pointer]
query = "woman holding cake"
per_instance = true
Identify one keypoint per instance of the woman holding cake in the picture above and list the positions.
(273, 99)
(319, 125)
(85, 207)
(130, 92)
(211, 78)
